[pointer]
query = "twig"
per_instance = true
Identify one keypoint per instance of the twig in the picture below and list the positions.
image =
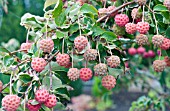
(51, 79)
(14, 52)
(6, 86)
(115, 10)
(53, 56)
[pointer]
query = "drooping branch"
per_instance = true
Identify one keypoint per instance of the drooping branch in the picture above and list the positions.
(115, 10)
(53, 56)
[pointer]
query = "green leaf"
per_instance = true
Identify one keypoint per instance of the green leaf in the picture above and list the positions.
(25, 78)
(160, 8)
(97, 31)
(109, 36)
(168, 32)
(58, 9)
(60, 34)
(3, 49)
(74, 28)
(59, 20)
(87, 8)
(56, 82)
(50, 2)
(8, 60)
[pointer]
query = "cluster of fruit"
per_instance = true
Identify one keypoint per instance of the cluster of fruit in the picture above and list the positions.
(142, 51)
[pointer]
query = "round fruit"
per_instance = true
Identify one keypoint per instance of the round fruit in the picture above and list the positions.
(46, 45)
(73, 74)
(90, 54)
(136, 14)
(51, 101)
(25, 47)
(33, 107)
(113, 61)
(11, 102)
(85, 74)
(41, 95)
(1, 86)
(130, 28)
(157, 40)
(100, 69)
(132, 51)
(145, 55)
(102, 12)
(141, 39)
(167, 3)
(38, 64)
(165, 44)
(118, 30)
(142, 27)
(108, 82)
(80, 43)
(141, 2)
(141, 50)
(151, 53)
(159, 65)
(111, 8)
(63, 59)
(121, 19)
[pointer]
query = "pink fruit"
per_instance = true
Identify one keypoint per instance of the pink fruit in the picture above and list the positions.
(159, 65)
(113, 61)
(41, 95)
(73, 74)
(85, 74)
(132, 51)
(51, 101)
(63, 59)
(142, 27)
(108, 82)
(141, 50)
(151, 53)
(33, 107)
(130, 28)
(145, 55)
(25, 47)
(46, 45)
(1, 86)
(38, 64)
(11, 102)
(121, 19)
(80, 43)
(165, 44)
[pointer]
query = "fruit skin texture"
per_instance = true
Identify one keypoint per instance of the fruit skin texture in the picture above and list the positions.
(41, 95)
(108, 82)
(113, 61)
(141, 2)
(90, 54)
(46, 45)
(33, 107)
(136, 14)
(167, 4)
(141, 50)
(63, 59)
(25, 47)
(51, 101)
(132, 51)
(80, 43)
(165, 44)
(130, 28)
(121, 19)
(157, 40)
(142, 39)
(159, 65)
(38, 64)
(100, 69)
(11, 102)
(145, 55)
(142, 27)
(73, 74)
(1, 86)
(85, 74)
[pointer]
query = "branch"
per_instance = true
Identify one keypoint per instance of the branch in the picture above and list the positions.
(7, 85)
(53, 56)
(115, 10)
